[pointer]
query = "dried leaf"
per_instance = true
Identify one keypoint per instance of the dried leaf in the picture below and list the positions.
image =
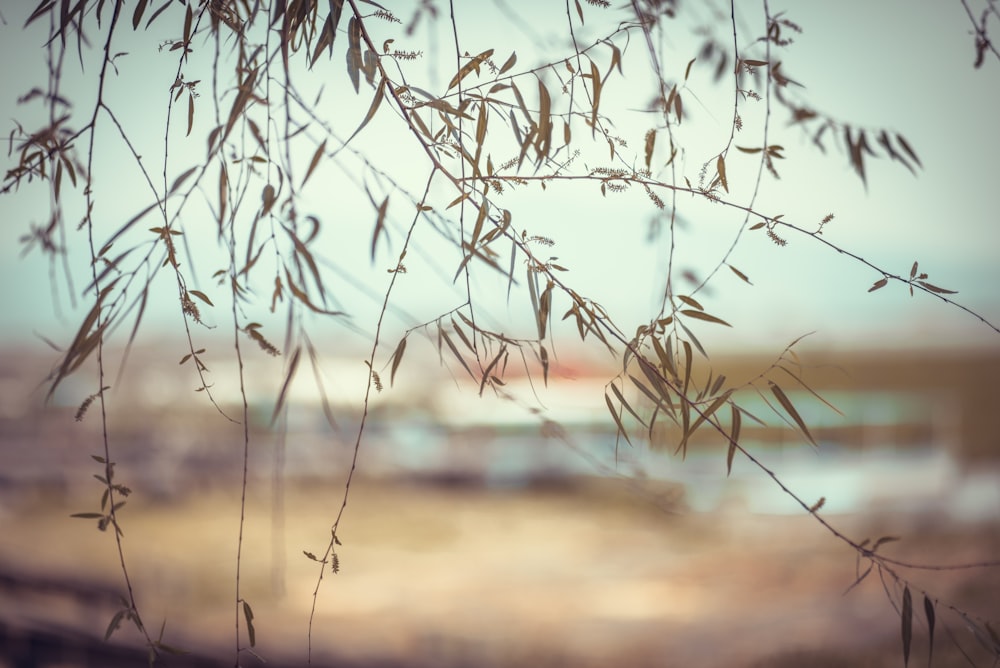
(543, 137)
(650, 144)
(376, 101)
(690, 301)
(617, 418)
(687, 70)
(734, 437)
(881, 283)
(934, 288)
(316, 158)
(248, 615)
(397, 357)
(353, 56)
(469, 67)
(180, 179)
(779, 394)
(720, 167)
(595, 78)
(707, 413)
(293, 365)
(907, 622)
(202, 296)
(909, 150)
(743, 277)
(140, 7)
(489, 368)
(451, 345)
(509, 63)
(701, 315)
(929, 613)
(882, 541)
(379, 224)
(329, 32)
(621, 399)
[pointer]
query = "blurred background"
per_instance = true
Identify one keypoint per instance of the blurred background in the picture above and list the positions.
(478, 534)
(517, 527)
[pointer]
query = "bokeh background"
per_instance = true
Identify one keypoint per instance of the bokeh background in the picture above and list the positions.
(485, 531)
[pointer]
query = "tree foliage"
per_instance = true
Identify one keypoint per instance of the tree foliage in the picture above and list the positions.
(258, 137)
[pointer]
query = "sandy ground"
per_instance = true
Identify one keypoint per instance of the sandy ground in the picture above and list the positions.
(585, 572)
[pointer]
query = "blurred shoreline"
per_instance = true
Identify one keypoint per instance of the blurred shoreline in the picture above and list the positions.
(480, 534)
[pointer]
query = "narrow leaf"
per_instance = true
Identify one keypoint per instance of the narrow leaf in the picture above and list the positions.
(509, 63)
(376, 101)
(720, 166)
(701, 315)
(907, 621)
(734, 438)
(691, 301)
(397, 356)
(180, 179)
(317, 155)
(881, 283)
(929, 612)
(472, 65)
(621, 399)
(743, 277)
(650, 144)
(140, 7)
(934, 288)
(293, 365)
(379, 224)
(909, 150)
(248, 614)
(202, 296)
(779, 394)
(617, 418)
(543, 139)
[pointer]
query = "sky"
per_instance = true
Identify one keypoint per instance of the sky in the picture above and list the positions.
(874, 65)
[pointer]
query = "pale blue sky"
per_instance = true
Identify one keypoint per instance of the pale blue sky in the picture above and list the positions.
(874, 64)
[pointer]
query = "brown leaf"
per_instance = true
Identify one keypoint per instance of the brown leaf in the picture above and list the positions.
(469, 67)
(293, 365)
(397, 356)
(617, 418)
(720, 166)
(881, 283)
(376, 101)
(509, 63)
(779, 394)
(701, 315)
(934, 288)
(316, 158)
(907, 623)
